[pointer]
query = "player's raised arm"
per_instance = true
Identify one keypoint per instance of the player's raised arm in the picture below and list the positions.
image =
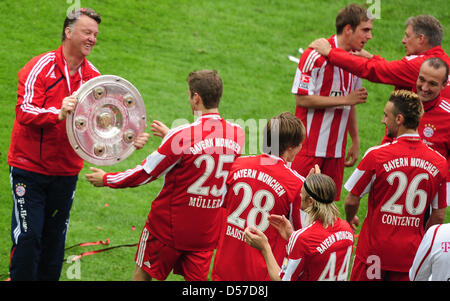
(256, 239)
(159, 129)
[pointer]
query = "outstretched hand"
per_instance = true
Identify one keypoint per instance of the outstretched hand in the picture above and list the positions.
(313, 170)
(141, 140)
(282, 224)
(159, 129)
(96, 177)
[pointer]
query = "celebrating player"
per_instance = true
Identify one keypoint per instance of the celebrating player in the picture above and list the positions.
(184, 222)
(422, 40)
(434, 126)
(322, 250)
(256, 187)
(403, 179)
(325, 97)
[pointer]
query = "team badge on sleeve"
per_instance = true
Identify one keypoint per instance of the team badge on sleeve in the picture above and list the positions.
(284, 265)
(303, 84)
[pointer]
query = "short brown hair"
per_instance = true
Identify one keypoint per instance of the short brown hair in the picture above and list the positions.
(353, 14)
(287, 129)
(438, 63)
(429, 26)
(75, 14)
(409, 105)
(208, 85)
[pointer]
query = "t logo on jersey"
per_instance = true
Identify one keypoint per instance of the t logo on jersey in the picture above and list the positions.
(446, 246)
(304, 82)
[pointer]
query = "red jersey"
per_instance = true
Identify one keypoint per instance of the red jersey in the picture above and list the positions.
(403, 179)
(195, 160)
(434, 126)
(39, 140)
(257, 186)
(402, 74)
(326, 128)
(318, 253)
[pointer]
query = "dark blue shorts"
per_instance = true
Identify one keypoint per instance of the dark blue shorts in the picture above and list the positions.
(40, 217)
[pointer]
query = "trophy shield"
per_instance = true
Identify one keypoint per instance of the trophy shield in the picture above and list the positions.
(109, 114)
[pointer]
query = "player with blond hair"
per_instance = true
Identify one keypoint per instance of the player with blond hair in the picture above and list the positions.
(320, 251)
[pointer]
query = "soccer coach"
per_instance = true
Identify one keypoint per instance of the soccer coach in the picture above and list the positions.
(43, 166)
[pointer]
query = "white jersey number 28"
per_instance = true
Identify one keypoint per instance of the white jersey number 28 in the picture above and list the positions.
(257, 199)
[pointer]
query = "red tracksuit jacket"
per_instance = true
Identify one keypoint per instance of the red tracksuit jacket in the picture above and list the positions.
(402, 74)
(39, 140)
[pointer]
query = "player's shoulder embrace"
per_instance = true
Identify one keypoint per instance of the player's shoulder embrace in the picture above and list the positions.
(310, 59)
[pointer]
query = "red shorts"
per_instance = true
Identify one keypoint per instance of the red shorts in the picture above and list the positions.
(158, 259)
(332, 167)
(362, 271)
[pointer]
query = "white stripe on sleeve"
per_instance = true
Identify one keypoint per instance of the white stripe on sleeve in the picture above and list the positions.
(29, 87)
(152, 161)
(290, 269)
(448, 194)
(421, 267)
(117, 178)
(353, 180)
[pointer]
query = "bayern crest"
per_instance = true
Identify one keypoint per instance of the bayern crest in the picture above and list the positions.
(429, 130)
(20, 190)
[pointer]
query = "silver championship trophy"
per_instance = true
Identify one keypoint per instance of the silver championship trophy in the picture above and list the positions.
(107, 117)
